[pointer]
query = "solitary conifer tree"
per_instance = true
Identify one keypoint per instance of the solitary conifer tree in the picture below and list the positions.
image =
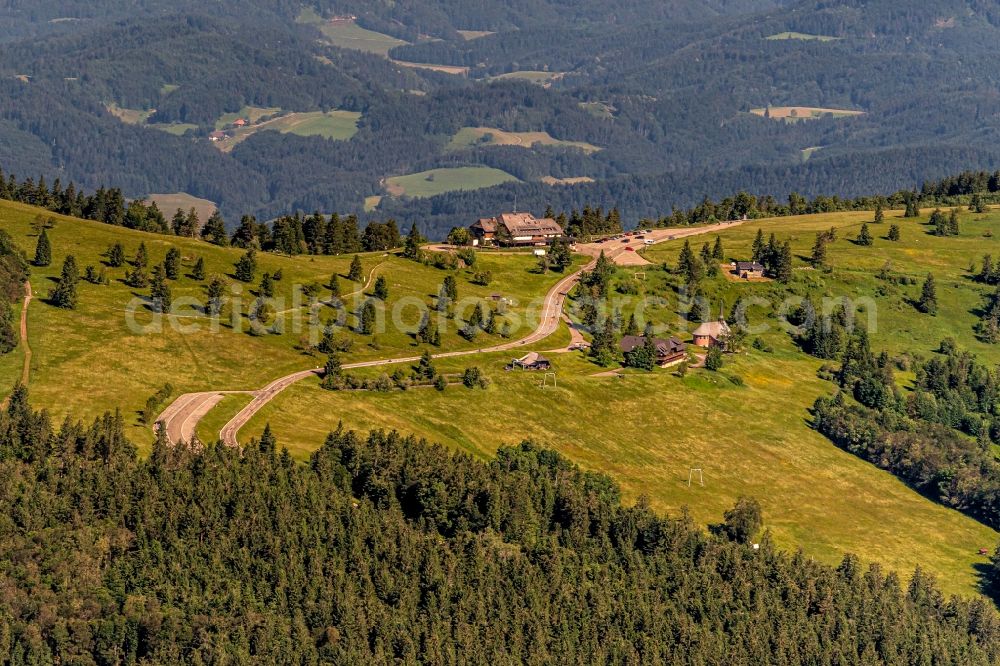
(43, 250)
(267, 285)
(879, 214)
(356, 273)
(64, 295)
(894, 232)
(116, 255)
(717, 251)
(172, 264)
(864, 236)
(381, 289)
(198, 272)
(928, 296)
(141, 256)
(246, 267)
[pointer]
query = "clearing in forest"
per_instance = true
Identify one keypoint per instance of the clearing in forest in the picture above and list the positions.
(169, 203)
(574, 180)
(437, 181)
(544, 79)
(346, 34)
(793, 114)
(801, 36)
(469, 137)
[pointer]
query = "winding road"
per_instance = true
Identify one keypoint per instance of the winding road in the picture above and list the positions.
(180, 419)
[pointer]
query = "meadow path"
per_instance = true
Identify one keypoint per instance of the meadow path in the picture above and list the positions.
(26, 370)
(181, 417)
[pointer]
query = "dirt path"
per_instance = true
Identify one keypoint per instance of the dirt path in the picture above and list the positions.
(182, 416)
(26, 370)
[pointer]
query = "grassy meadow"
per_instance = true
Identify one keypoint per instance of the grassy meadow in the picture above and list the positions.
(437, 181)
(751, 434)
(349, 35)
(470, 137)
(801, 36)
(169, 203)
(76, 352)
(793, 114)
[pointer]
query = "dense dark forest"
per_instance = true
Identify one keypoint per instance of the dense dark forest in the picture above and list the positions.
(386, 549)
(663, 88)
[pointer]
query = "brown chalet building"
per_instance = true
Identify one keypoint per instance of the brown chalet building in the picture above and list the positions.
(512, 229)
(667, 351)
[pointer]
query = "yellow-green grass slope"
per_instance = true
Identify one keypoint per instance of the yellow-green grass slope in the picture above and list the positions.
(89, 360)
(648, 430)
(437, 181)
(490, 136)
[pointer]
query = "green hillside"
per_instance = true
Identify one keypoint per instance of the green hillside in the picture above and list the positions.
(754, 438)
(82, 348)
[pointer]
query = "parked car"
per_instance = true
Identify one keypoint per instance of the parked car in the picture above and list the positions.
(649, 241)
(630, 249)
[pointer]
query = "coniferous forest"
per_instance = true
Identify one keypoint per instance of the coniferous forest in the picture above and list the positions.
(385, 549)
(677, 97)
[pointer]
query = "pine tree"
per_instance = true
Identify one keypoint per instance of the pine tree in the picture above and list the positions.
(425, 368)
(717, 252)
(214, 230)
(366, 319)
(43, 250)
(879, 213)
(116, 255)
(685, 259)
(381, 289)
(757, 249)
(864, 236)
(356, 273)
(450, 287)
(246, 266)
(64, 295)
(928, 296)
(198, 272)
(894, 232)
(986, 273)
(160, 290)
(413, 240)
(818, 258)
(141, 257)
(632, 328)
(953, 222)
(334, 286)
(172, 263)
(977, 205)
(699, 308)
(266, 285)
(783, 266)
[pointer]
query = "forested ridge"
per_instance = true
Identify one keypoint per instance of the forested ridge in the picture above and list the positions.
(383, 548)
(664, 89)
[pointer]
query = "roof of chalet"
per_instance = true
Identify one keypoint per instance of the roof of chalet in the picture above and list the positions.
(663, 347)
(712, 329)
(487, 224)
(520, 224)
(749, 266)
(532, 358)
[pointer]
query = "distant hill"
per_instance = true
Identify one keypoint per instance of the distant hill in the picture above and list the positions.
(665, 89)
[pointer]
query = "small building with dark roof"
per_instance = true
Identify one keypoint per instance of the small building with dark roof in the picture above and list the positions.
(749, 269)
(530, 361)
(668, 351)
